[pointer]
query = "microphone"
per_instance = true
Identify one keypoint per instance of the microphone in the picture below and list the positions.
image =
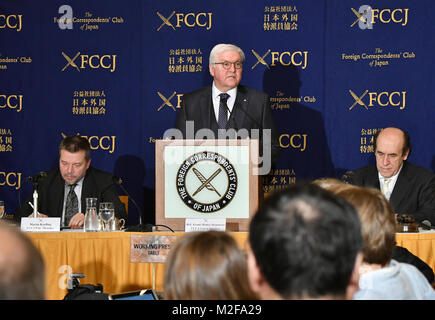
(347, 176)
(231, 116)
(119, 182)
(249, 116)
(36, 177)
(114, 181)
(426, 225)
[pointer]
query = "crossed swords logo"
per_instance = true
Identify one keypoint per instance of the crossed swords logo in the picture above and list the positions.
(166, 102)
(70, 61)
(260, 59)
(206, 183)
(360, 16)
(358, 100)
(165, 20)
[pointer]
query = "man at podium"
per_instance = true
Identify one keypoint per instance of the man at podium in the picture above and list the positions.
(226, 105)
(62, 192)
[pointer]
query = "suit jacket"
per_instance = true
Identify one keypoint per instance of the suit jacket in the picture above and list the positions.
(413, 193)
(51, 190)
(251, 111)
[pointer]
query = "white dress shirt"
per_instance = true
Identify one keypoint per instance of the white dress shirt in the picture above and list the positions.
(216, 100)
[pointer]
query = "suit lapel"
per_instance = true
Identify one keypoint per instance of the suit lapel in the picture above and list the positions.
(374, 180)
(371, 178)
(58, 192)
(88, 189)
(206, 109)
(401, 188)
(240, 103)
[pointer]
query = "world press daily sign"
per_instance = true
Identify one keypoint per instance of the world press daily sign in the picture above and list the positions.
(206, 182)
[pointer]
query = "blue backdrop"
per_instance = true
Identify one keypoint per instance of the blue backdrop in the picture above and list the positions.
(336, 72)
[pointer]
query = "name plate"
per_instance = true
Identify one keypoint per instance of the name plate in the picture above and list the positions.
(149, 248)
(205, 225)
(40, 224)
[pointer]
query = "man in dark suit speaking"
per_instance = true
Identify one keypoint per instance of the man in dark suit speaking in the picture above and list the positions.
(62, 192)
(227, 109)
(409, 188)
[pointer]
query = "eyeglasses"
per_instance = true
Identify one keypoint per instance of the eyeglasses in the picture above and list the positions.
(227, 65)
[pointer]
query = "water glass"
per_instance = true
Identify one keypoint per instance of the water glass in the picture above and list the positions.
(107, 214)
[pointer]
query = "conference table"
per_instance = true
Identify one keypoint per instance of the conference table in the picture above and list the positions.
(104, 257)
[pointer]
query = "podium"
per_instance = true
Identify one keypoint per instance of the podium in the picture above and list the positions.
(207, 179)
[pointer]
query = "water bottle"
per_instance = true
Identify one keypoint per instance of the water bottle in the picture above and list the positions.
(92, 223)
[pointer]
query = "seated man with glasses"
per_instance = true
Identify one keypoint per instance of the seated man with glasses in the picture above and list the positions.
(228, 105)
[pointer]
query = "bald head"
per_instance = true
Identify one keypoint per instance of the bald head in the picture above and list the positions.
(391, 149)
(21, 266)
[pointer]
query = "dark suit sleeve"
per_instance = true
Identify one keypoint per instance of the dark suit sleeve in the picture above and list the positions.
(426, 202)
(99, 184)
(180, 121)
(24, 210)
(111, 195)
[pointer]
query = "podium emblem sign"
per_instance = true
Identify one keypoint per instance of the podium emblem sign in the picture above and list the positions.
(202, 191)
(211, 180)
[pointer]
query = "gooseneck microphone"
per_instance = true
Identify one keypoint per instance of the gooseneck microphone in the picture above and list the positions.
(36, 177)
(114, 181)
(35, 180)
(147, 227)
(118, 181)
(231, 116)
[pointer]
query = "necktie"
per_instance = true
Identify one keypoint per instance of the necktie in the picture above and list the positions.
(223, 111)
(385, 188)
(72, 204)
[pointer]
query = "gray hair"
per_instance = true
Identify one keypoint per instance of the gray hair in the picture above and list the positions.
(219, 48)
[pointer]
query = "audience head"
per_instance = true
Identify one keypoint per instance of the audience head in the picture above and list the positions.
(206, 266)
(21, 266)
(74, 158)
(304, 242)
(326, 183)
(378, 223)
(392, 147)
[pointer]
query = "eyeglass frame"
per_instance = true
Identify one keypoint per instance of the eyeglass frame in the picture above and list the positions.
(230, 64)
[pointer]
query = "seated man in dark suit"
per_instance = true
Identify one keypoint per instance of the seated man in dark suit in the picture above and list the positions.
(409, 188)
(63, 191)
(228, 105)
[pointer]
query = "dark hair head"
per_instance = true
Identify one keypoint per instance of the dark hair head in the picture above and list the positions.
(306, 240)
(74, 144)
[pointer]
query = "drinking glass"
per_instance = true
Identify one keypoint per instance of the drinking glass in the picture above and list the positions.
(107, 213)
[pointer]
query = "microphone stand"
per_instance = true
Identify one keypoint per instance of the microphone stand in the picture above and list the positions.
(119, 182)
(35, 199)
(148, 227)
(35, 181)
